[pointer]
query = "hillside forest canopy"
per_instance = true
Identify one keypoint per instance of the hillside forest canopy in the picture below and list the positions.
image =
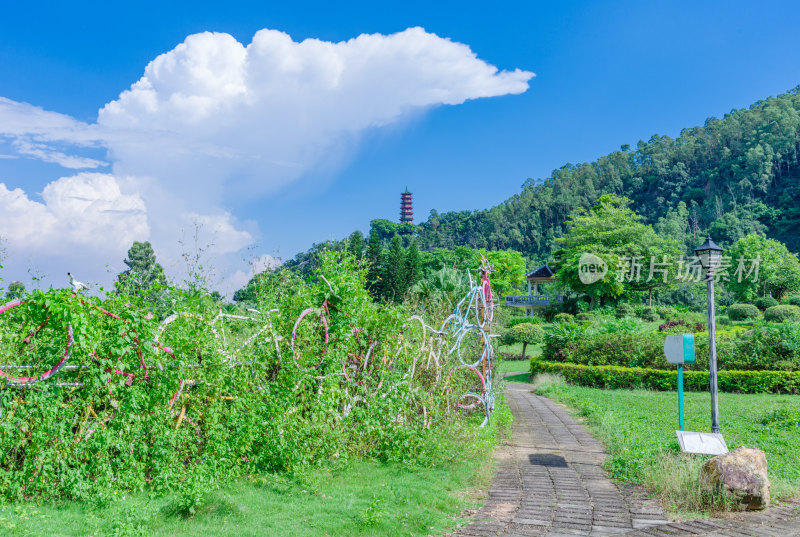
(733, 177)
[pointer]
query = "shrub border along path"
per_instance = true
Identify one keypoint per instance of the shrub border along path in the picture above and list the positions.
(615, 377)
(550, 482)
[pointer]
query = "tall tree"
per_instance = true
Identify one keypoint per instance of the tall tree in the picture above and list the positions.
(355, 245)
(143, 271)
(778, 269)
(374, 260)
(15, 290)
(394, 270)
(413, 268)
(621, 251)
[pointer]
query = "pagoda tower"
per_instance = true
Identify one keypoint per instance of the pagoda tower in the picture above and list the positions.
(406, 207)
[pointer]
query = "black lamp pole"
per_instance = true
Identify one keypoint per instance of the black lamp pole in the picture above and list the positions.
(710, 256)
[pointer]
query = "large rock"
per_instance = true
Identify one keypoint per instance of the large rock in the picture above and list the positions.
(741, 475)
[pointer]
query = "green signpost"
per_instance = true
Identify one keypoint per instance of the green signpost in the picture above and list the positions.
(679, 350)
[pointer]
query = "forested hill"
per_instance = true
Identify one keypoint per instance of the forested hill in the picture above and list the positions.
(732, 176)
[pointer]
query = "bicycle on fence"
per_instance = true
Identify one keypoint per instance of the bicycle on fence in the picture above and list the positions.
(37, 343)
(190, 343)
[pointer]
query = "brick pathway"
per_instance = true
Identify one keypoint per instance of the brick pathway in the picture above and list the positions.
(550, 482)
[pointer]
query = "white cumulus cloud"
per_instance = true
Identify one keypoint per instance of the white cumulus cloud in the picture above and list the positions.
(213, 120)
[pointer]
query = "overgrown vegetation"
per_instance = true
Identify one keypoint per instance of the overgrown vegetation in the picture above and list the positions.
(221, 397)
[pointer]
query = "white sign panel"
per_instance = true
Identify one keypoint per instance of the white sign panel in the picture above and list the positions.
(702, 443)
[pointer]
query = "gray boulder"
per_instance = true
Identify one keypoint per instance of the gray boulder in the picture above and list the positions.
(740, 475)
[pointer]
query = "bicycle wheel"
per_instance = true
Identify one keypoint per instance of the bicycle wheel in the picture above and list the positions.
(465, 387)
(34, 345)
(472, 346)
(309, 339)
(187, 338)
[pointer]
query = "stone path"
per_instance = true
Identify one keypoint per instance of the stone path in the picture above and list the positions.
(550, 482)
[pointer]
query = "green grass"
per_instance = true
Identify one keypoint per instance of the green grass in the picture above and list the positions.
(638, 430)
(365, 498)
(516, 349)
(512, 366)
(358, 498)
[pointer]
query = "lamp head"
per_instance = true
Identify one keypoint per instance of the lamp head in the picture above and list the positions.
(709, 253)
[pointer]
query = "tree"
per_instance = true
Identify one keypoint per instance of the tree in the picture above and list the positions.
(413, 268)
(374, 259)
(394, 271)
(143, 271)
(620, 250)
(525, 333)
(778, 269)
(15, 290)
(355, 245)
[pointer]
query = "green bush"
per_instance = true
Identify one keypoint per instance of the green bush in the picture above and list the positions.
(287, 409)
(779, 314)
(794, 301)
(525, 333)
(650, 314)
(666, 312)
(624, 310)
(562, 318)
(765, 302)
(521, 320)
(583, 317)
(774, 347)
(743, 312)
(616, 377)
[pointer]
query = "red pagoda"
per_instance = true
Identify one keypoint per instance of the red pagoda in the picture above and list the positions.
(406, 208)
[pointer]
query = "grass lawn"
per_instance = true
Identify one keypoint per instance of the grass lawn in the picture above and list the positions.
(365, 498)
(638, 430)
(516, 349)
(512, 366)
(359, 498)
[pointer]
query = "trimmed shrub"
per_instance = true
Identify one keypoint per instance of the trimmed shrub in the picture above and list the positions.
(794, 301)
(650, 314)
(562, 318)
(681, 327)
(765, 302)
(525, 333)
(616, 377)
(743, 312)
(624, 310)
(522, 320)
(779, 314)
(774, 347)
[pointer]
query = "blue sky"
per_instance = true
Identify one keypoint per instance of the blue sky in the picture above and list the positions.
(607, 73)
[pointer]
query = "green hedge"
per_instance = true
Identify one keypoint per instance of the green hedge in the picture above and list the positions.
(769, 347)
(521, 320)
(615, 377)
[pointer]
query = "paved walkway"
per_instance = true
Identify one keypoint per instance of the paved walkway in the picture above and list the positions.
(550, 482)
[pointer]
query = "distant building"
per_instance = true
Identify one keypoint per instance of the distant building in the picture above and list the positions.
(406, 207)
(535, 300)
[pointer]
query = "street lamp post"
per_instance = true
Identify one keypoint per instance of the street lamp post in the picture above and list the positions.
(710, 256)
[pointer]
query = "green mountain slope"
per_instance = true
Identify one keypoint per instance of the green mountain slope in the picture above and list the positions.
(734, 175)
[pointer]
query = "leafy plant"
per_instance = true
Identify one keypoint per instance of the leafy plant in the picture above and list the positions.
(765, 303)
(743, 312)
(562, 318)
(780, 314)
